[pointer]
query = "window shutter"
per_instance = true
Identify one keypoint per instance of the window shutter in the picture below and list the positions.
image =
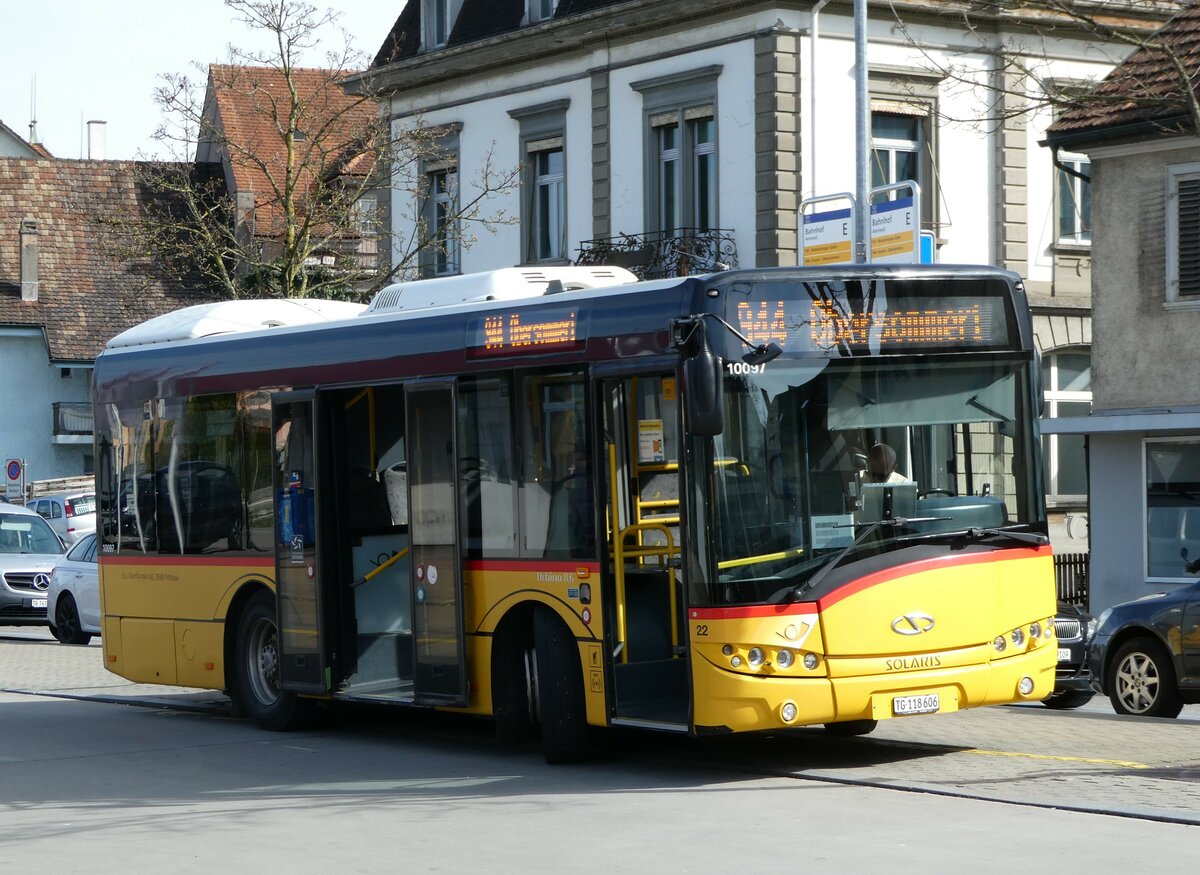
(1189, 237)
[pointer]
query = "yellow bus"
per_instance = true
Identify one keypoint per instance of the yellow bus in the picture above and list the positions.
(747, 501)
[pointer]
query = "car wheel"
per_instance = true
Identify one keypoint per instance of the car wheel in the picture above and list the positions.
(1142, 681)
(1067, 699)
(257, 670)
(69, 628)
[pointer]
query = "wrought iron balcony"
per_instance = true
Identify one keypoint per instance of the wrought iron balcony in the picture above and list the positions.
(72, 418)
(661, 254)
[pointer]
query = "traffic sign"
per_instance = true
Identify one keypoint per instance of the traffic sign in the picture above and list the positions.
(13, 468)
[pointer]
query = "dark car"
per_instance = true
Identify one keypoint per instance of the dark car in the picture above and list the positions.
(1145, 654)
(1072, 680)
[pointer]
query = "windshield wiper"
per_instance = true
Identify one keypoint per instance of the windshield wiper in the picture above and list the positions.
(823, 571)
(978, 534)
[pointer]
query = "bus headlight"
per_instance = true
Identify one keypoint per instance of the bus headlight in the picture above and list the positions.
(785, 658)
(1018, 637)
(787, 712)
(810, 661)
(1035, 630)
(1000, 644)
(755, 657)
(1025, 686)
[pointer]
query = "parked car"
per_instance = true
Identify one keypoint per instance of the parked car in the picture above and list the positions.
(1073, 627)
(73, 598)
(71, 514)
(1145, 653)
(29, 549)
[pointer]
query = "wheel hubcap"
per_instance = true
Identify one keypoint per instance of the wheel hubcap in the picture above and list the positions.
(264, 661)
(1137, 682)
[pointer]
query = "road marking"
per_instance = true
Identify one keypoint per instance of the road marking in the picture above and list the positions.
(1091, 761)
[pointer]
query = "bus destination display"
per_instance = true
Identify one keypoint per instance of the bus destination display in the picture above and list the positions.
(527, 333)
(900, 325)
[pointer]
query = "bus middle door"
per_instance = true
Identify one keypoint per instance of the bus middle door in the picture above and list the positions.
(439, 647)
(650, 671)
(302, 659)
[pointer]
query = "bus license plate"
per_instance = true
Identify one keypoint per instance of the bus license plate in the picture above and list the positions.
(905, 705)
(1064, 654)
(39, 603)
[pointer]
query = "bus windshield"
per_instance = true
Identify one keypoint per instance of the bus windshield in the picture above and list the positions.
(815, 452)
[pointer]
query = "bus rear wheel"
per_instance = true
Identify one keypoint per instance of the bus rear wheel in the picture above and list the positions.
(558, 690)
(257, 668)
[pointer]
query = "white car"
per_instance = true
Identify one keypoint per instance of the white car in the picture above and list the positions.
(73, 598)
(29, 549)
(71, 514)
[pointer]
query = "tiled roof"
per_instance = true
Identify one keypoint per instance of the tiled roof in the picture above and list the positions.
(85, 295)
(1144, 89)
(250, 99)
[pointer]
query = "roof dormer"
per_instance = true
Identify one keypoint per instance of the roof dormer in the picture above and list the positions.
(437, 22)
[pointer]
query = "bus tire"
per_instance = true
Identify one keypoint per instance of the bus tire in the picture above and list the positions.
(513, 683)
(559, 690)
(849, 728)
(257, 669)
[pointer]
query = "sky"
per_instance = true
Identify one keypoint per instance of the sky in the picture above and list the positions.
(102, 61)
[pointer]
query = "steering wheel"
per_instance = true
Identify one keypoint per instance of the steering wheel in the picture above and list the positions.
(936, 491)
(474, 468)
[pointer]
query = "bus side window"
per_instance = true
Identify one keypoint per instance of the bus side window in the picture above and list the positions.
(487, 488)
(556, 487)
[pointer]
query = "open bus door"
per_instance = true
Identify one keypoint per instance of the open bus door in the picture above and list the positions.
(646, 632)
(303, 666)
(439, 647)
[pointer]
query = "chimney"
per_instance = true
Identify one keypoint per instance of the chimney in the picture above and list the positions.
(96, 140)
(29, 259)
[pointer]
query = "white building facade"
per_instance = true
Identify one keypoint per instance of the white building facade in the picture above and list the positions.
(680, 137)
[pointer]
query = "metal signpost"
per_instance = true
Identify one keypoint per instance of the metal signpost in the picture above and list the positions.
(14, 481)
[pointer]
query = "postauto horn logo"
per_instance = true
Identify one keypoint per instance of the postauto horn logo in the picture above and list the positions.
(912, 624)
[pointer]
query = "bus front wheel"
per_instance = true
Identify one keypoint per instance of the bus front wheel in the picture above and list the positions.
(558, 691)
(257, 668)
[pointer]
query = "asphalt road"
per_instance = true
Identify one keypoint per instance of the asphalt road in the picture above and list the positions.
(98, 775)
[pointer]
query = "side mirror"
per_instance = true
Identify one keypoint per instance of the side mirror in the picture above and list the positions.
(703, 386)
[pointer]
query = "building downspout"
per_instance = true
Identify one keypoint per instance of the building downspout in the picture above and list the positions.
(814, 36)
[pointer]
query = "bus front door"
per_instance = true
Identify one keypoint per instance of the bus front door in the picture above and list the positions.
(439, 651)
(298, 605)
(650, 669)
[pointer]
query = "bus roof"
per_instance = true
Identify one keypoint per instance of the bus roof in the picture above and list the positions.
(233, 317)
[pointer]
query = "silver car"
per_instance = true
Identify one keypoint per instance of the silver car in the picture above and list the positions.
(29, 550)
(73, 600)
(71, 514)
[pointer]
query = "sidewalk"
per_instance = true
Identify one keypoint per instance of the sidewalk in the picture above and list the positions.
(33, 665)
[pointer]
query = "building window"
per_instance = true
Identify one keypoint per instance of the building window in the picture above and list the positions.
(438, 17)
(541, 10)
(1067, 381)
(685, 191)
(896, 147)
(681, 153)
(543, 181)
(1183, 233)
(443, 221)
(549, 201)
(904, 104)
(1172, 507)
(1074, 199)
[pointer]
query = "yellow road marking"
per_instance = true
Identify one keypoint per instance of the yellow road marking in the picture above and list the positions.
(1045, 756)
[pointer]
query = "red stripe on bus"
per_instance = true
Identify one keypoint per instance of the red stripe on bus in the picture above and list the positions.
(530, 565)
(752, 612)
(198, 561)
(899, 571)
